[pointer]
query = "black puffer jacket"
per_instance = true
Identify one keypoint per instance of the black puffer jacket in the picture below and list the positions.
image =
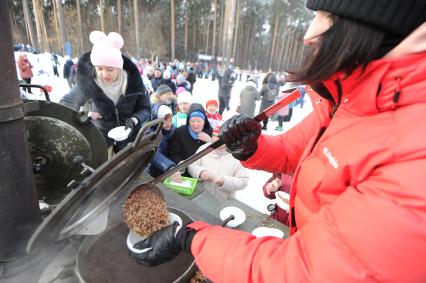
(225, 84)
(182, 144)
(67, 68)
(268, 92)
(134, 103)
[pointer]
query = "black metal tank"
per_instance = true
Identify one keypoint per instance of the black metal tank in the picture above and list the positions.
(19, 211)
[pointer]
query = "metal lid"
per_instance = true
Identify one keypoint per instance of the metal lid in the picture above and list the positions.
(95, 193)
(55, 139)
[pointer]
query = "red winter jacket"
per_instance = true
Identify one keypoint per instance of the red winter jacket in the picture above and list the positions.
(279, 214)
(359, 189)
(25, 67)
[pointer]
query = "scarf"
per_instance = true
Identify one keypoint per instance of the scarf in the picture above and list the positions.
(115, 89)
(193, 134)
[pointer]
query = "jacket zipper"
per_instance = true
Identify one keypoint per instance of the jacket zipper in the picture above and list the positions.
(323, 92)
(117, 116)
(339, 98)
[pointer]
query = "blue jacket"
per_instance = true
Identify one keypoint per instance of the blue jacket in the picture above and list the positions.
(161, 162)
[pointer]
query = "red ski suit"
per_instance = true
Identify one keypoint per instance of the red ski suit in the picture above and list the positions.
(358, 199)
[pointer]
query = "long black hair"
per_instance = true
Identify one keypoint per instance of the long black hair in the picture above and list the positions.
(346, 45)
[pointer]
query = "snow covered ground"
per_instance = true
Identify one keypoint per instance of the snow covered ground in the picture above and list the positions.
(203, 90)
(43, 75)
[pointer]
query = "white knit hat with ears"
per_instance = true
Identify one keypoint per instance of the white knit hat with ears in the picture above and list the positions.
(163, 111)
(106, 49)
(185, 97)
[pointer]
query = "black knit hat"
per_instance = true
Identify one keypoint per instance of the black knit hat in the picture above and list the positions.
(396, 16)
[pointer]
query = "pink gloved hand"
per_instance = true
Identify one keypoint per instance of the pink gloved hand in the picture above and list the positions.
(176, 177)
(273, 186)
(220, 181)
(206, 176)
(94, 115)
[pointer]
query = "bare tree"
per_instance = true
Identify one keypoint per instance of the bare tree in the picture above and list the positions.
(36, 7)
(29, 24)
(55, 16)
(221, 21)
(135, 8)
(207, 36)
(40, 26)
(237, 22)
(119, 16)
(101, 14)
(61, 25)
(172, 28)
(229, 16)
(45, 39)
(80, 28)
(202, 25)
(280, 52)
(249, 40)
(240, 40)
(194, 32)
(186, 29)
(224, 32)
(214, 29)
(274, 37)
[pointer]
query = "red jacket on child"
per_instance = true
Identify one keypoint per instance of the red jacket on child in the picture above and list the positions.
(279, 214)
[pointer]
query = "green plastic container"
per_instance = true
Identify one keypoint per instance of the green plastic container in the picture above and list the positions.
(185, 190)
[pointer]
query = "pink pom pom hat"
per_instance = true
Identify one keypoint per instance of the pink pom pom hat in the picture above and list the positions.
(106, 49)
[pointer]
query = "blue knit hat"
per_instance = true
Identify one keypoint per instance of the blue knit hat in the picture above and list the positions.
(198, 114)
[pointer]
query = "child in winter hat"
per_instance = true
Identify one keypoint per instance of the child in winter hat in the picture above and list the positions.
(184, 102)
(211, 111)
(163, 111)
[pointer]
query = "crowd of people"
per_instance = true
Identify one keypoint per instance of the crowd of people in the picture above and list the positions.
(117, 91)
(113, 90)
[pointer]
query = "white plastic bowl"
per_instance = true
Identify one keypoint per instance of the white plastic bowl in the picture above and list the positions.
(119, 133)
(133, 237)
(266, 231)
(279, 196)
(239, 215)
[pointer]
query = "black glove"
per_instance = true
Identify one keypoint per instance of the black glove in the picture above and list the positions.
(130, 124)
(165, 245)
(240, 135)
(82, 118)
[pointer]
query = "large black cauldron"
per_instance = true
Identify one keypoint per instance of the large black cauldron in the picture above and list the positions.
(105, 258)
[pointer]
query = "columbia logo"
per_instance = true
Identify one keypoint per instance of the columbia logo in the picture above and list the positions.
(333, 161)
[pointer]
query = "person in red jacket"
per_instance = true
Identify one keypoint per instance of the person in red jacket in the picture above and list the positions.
(25, 70)
(212, 114)
(278, 188)
(358, 197)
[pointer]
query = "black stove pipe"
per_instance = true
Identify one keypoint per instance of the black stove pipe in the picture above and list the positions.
(19, 210)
